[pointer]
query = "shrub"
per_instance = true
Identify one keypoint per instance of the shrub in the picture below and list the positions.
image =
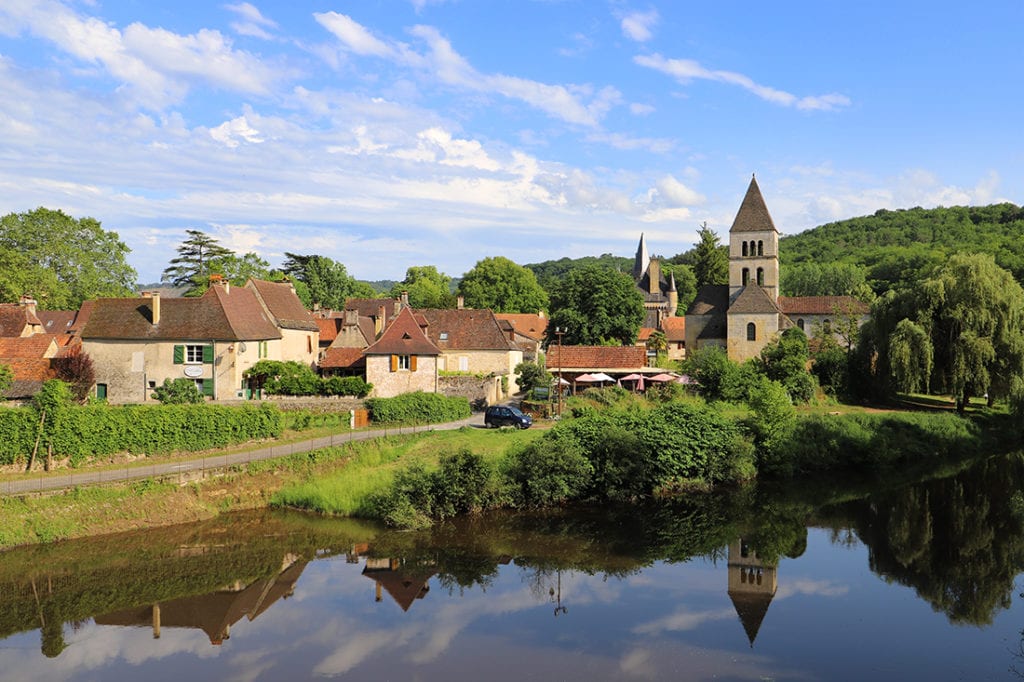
(354, 386)
(418, 408)
(549, 471)
(285, 378)
(180, 391)
(772, 414)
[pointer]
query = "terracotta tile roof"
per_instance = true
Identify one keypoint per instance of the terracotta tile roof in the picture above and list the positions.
(14, 318)
(337, 358)
(822, 305)
(644, 334)
(753, 215)
(403, 336)
(285, 307)
(57, 321)
(753, 300)
(711, 299)
(328, 328)
(370, 307)
(596, 357)
(526, 324)
(465, 329)
(82, 317)
(217, 315)
(37, 346)
(674, 328)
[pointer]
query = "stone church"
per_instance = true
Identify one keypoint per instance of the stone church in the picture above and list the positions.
(745, 314)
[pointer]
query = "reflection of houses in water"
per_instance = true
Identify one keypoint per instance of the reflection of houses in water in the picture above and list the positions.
(752, 584)
(214, 613)
(405, 583)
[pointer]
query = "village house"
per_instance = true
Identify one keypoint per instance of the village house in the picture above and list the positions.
(472, 341)
(402, 360)
(747, 313)
(137, 343)
(526, 330)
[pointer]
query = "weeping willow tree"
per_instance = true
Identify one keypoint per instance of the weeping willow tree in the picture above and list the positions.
(960, 331)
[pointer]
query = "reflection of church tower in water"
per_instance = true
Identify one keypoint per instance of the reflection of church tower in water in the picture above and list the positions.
(752, 585)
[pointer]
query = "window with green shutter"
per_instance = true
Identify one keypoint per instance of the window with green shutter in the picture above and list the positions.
(207, 354)
(179, 355)
(208, 387)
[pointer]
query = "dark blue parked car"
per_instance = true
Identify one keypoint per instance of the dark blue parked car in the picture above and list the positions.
(505, 415)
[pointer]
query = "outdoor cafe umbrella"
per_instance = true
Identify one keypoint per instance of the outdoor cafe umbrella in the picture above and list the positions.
(662, 377)
(638, 378)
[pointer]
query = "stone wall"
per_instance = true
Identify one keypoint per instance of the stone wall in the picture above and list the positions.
(479, 391)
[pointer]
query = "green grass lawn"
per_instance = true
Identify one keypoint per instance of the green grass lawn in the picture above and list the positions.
(372, 466)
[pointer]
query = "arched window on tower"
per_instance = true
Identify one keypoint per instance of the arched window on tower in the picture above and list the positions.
(753, 248)
(746, 276)
(760, 277)
(744, 248)
(760, 248)
(751, 332)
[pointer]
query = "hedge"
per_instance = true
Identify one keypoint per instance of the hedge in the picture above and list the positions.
(418, 408)
(88, 431)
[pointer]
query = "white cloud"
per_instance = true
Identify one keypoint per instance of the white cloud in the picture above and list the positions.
(252, 23)
(641, 109)
(638, 26)
(676, 193)
(354, 36)
(686, 70)
(231, 132)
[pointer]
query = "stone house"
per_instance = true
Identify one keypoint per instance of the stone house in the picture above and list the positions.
(526, 330)
(472, 341)
(137, 343)
(403, 359)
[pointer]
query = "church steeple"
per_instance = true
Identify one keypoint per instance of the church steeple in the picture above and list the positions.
(642, 259)
(753, 246)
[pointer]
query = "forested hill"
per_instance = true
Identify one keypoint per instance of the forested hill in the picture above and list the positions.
(892, 245)
(551, 271)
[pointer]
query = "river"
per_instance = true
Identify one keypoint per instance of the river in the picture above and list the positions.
(853, 580)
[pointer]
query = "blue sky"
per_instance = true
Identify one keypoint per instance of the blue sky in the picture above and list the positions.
(438, 132)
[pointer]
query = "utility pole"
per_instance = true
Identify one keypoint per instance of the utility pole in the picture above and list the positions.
(559, 331)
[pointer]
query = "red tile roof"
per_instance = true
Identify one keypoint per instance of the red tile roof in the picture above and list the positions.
(403, 336)
(674, 328)
(370, 307)
(328, 328)
(217, 315)
(644, 334)
(14, 318)
(822, 305)
(36, 347)
(285, 307)
(527, 324)
(465, 329)
(596, 357)
(57, 321)
(337, 358)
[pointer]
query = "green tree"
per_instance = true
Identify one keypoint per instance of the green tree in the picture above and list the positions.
(427, 288)
(910, 357)
(785, 360)
(530, 375)
(503, 286)
(61, 261)
(328, 281)
(6, 379)
(710, 259)
(180, 391)
(192, 266)
(596, 305)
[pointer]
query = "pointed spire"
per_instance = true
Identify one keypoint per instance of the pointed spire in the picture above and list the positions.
(642, 259)
(753, 215)
(671, 281)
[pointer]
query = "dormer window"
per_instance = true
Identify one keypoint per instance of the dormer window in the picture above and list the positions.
(443, 336)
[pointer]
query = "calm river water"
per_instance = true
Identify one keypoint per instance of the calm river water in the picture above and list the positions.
(919, 581)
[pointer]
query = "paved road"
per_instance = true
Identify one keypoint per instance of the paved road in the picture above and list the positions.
(57, 481)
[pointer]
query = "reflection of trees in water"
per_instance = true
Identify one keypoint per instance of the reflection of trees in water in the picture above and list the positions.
(959, 541)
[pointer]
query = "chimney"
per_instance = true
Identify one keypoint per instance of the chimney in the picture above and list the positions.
(378, 324)
(460, 302)
(154, 304)
(28, 303)
(405, 299)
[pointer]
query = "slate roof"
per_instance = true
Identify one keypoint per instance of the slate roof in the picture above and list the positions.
(822, 305)
(674, 328)
(283, 304)
(753, 215)
(217, 315)
(404, 336)
(465, 329)
(596, 357)
(527, 324)
(754, 300)
(711, 299)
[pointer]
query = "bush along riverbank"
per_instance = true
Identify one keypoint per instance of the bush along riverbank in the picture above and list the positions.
(616, 447)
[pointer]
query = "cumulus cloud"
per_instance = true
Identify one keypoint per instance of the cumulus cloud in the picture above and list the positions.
(686, 70)
(638, 26)
(232, 133)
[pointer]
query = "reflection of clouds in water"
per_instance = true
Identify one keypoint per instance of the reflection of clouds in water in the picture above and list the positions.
(96, 646)
(670, 660)
(637, 663)
(816, 588)
(683, 620)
